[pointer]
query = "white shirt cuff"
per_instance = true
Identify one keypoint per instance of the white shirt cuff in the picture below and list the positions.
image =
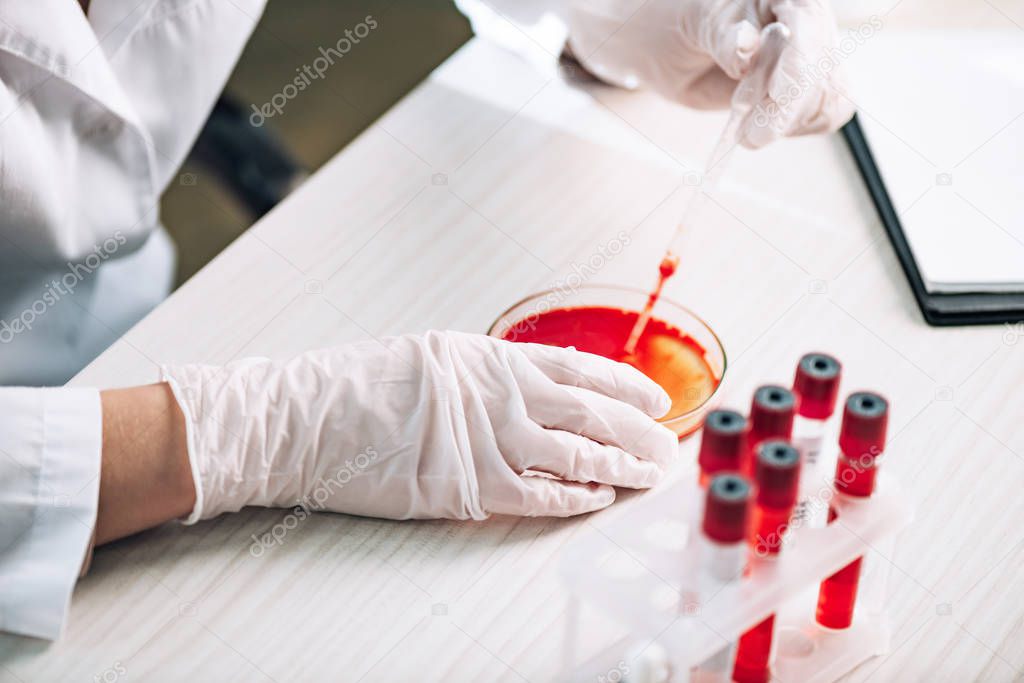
(50, 448)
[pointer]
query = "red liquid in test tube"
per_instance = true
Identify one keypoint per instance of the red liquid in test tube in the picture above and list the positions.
(777, 474)
(861, 443)
(816, 385)
(723, 444)
(726, 526)
(771, 417)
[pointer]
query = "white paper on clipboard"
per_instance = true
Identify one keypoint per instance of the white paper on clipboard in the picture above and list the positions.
(944, 114)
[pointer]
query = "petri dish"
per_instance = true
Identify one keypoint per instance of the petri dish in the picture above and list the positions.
(678, 350)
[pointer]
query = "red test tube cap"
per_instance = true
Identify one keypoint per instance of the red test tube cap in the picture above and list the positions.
(817, 384)
(777, 473)
(727, 508)
(723, 442)
(865, 421)
(771, 412)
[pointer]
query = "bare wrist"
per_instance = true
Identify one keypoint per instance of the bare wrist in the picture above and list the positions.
(145, 475)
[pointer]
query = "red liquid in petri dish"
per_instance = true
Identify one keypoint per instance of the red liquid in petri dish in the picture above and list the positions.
(664, 353)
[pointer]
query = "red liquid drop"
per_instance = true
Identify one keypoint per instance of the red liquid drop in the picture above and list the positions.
(666, 269)
(664, 353)
(668, 265)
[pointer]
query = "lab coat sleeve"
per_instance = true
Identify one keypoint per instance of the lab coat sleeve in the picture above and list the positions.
(77, 175)
(50, 445)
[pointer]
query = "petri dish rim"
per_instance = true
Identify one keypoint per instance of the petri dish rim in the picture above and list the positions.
(505, 321)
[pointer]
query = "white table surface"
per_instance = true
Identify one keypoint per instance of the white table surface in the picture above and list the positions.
(485, 184)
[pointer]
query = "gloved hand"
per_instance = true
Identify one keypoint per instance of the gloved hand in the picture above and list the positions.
(439, 425)
(698, 51)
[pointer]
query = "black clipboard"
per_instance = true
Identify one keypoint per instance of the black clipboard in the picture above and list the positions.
(937, 309)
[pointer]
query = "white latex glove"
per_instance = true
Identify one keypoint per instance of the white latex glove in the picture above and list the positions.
(439, 425)
(697, 51)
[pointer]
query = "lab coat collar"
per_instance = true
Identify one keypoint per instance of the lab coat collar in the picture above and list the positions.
(114, 21)
(56, 37)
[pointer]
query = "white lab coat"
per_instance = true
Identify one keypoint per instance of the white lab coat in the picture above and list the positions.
(50, 441)
(96, 116)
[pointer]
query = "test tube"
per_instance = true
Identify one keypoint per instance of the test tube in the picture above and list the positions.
(777, 474)
(771, 417)
(726, 526)
(816, 385)
(722, 444)
(861, 443)
(726, 523)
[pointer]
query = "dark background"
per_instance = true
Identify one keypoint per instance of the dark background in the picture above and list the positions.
(413, 37)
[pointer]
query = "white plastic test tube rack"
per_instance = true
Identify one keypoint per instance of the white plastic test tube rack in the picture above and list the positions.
(643, 568)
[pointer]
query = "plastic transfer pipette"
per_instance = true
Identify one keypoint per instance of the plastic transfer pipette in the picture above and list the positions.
(773, 40)
(716, 163)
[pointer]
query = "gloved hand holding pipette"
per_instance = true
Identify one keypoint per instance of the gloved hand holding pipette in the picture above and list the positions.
(704, 52)
(439, 425)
